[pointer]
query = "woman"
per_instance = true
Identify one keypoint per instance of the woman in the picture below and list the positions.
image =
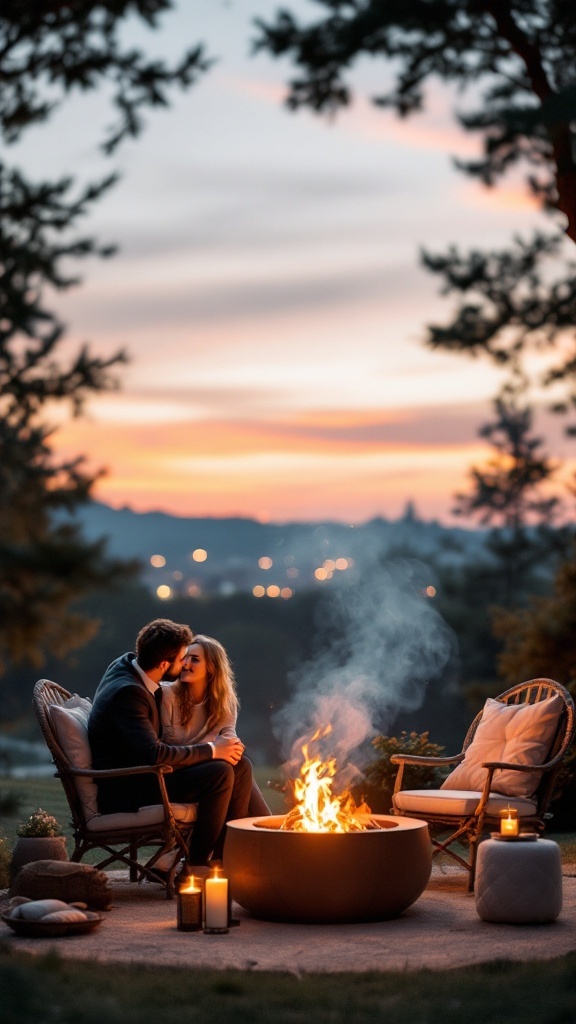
(202, 704)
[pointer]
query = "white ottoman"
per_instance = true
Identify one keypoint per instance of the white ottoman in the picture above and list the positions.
(518, 881)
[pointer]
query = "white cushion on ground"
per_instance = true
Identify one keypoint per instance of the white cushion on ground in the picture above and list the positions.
(70, 723)
(151, 815)
(456, 802)
(515, 733)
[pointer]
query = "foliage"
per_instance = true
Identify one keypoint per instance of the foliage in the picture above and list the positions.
(539, 642)
(49, 51)
(516, 59)
(506, 494)
(40, 823)
(9, 803)
(539, 639)
(5, 859)
(511, 307)
(381, 772)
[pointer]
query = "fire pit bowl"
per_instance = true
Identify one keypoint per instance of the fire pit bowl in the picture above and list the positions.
(327, 877)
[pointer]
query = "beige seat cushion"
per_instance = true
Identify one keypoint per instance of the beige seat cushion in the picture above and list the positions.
(459, 803)
(515, 733)
(145, 816)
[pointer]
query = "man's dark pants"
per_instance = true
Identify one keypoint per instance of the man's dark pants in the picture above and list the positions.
(222, 792)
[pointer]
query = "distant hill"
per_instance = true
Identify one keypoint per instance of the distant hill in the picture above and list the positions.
(294, 551)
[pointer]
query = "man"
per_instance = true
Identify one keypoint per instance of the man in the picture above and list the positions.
(124, 730)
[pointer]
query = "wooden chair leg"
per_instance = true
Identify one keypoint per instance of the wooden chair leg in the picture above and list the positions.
(133, 859)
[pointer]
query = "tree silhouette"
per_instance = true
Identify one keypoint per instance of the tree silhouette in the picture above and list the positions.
(506, 494)
(48, 51)
(518, 56)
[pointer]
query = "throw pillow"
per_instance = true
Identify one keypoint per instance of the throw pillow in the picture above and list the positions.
(71, 728)
(515, 733)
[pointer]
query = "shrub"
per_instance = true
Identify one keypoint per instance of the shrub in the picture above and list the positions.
(10, 804)
(5, 858)
(381, 774)
(40, 823)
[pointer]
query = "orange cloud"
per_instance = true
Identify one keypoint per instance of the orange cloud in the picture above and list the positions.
(338, 464)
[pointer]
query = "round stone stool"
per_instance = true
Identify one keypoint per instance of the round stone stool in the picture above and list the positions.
(518, 881)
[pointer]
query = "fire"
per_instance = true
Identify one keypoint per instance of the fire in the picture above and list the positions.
(317, 809)
(190, 885)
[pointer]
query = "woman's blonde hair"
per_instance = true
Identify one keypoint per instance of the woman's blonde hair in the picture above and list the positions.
(221, 693)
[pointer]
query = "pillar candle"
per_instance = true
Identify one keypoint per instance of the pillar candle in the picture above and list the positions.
(216, 903)
(189, 909)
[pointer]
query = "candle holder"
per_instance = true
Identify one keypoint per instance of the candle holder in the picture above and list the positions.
(189, 908)
(216, 904)
(509, 824)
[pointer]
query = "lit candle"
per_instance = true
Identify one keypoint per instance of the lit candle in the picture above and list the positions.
(216, 903)
(189, 908)
(509, 824)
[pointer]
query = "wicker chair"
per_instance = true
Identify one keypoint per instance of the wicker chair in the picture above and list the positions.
(164, 827)
(467, 814)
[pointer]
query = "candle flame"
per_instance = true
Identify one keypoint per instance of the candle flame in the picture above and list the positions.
(190, 885)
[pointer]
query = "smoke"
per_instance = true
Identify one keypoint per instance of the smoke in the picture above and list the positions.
(380, 641)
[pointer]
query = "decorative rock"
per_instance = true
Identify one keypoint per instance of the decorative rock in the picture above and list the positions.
(518, 882)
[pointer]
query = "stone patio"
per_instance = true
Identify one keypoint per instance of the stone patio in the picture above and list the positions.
(440, 931)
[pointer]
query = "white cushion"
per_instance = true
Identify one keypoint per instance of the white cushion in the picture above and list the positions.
(70, 723)
(456, 802)
(150, 815)
(515, 733)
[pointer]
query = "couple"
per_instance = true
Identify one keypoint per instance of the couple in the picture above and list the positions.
(188, 722)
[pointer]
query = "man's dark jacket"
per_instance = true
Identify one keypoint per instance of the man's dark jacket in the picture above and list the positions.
(124, 730)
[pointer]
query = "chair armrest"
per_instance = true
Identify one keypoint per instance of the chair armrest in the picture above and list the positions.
(109, 773)
(422, 760)
(515, 767)
(419, 760)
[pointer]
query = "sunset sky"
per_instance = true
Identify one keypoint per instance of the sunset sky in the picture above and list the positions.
(268, 291)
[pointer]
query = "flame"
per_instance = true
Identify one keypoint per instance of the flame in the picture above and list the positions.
(316, 808)
(190, 885)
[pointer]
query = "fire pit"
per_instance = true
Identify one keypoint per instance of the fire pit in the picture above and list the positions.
(327, 877)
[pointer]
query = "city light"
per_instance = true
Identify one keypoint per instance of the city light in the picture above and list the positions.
(199, 555)
(163, 592)
(258, 591)
(342, 563)
(265, 562)
(273, 591)
(321, 574)
(431, 591)
(158, 561)
(286, 593)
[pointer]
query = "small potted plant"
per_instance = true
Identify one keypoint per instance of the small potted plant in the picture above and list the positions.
(40, 837)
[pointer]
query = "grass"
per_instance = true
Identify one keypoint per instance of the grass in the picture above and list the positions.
(47, 988)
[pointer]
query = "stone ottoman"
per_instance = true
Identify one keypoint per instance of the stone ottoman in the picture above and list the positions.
(518, 881)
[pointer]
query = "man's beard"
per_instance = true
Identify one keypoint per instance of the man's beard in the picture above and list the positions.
(171, 674)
